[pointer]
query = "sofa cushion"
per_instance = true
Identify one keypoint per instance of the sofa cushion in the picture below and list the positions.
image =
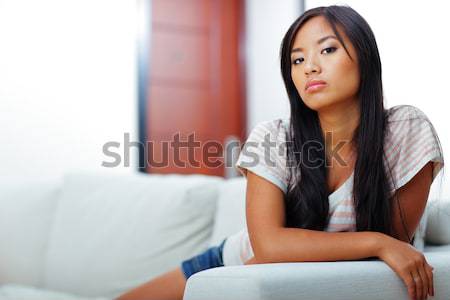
(437, 248)
(114, 232)
(23, 292)
(230, 213)
(438, 225)
(27, 207)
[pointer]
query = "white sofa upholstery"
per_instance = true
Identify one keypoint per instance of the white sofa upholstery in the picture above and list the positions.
(95, 236)
(345, 280)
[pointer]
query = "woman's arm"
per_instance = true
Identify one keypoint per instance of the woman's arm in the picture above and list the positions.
(412, 197)
(272, 242)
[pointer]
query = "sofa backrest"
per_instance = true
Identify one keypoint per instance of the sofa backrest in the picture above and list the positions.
(26, 213)
(230, 212)
(114, 232)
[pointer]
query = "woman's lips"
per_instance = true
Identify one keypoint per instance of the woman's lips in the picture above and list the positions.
(315, 87)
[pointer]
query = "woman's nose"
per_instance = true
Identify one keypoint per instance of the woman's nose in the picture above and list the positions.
(311, 66)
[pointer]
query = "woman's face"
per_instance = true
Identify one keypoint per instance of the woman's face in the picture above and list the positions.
(318, 59)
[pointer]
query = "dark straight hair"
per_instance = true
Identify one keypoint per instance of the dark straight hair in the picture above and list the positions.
(307, 203)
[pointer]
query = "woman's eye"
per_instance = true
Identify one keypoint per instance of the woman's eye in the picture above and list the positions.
(326, 50)
(297, 61)
(329, 49)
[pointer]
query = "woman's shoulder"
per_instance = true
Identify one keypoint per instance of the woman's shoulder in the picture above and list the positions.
(407, 122)
(274, 127)
(410, 142)
(264, 152)
(401, 113)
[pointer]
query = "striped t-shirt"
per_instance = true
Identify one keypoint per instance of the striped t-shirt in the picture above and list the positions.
(410, 142)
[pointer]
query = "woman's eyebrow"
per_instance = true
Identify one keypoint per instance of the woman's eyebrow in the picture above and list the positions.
(319, 41)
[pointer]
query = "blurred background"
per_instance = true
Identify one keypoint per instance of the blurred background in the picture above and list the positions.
(76, 76)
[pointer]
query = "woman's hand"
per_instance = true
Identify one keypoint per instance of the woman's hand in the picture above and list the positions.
(409, 264)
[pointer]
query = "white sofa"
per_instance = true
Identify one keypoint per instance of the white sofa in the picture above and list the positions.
(97, 235)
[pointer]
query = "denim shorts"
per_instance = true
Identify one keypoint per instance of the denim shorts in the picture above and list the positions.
(211, 258)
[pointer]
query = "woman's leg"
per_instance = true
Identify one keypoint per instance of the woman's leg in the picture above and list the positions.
(171, 285)
(168, 286)
(251, 261)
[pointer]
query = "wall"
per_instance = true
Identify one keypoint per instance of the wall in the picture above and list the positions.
(67, 73)
(267, 22)
(68, 79)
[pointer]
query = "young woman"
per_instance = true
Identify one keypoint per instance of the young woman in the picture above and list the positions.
(341, 179)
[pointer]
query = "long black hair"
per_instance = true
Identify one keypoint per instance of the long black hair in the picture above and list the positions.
(307, 203)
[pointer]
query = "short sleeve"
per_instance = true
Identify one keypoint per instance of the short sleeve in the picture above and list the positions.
(264, 153)
(410, 143)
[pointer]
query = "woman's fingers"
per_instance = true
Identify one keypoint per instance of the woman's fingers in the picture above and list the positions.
(429, 272)
(410, 285)
(418, 284)
(425, 281)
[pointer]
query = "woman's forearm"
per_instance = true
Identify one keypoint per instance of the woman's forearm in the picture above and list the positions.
(301, 245)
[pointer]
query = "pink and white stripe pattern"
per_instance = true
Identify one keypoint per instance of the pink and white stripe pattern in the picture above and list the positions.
(411, 142)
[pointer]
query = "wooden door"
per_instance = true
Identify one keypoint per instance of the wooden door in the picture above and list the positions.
(195, 85)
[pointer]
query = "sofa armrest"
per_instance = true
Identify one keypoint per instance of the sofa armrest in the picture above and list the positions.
(369, 279)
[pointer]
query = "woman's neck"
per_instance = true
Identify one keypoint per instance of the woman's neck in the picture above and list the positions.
(338, 123)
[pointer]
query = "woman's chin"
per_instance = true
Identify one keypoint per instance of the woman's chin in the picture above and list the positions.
(323, 102)
(318, 104)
